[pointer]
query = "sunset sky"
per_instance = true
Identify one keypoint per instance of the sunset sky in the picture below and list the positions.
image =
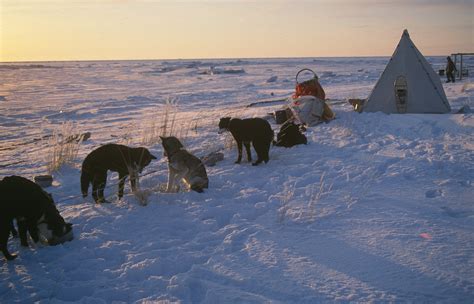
(36, 30)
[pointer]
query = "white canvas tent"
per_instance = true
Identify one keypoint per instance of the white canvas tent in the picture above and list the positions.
(408, 84)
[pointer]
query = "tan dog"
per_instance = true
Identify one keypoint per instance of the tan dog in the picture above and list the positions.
(184, 166)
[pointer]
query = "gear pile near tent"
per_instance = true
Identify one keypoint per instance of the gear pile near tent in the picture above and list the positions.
(408, 84)
(308, 103)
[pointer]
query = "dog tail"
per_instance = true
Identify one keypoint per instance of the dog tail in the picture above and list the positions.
(85, 181)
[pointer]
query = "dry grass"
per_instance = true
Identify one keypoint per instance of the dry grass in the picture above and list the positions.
(287, 195)
(128, 137)
(61, 149)
(141, 195)
(297, 211)
(162, 122)
(318, 191)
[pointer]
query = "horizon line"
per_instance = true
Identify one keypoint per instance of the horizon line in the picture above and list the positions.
(208, 58)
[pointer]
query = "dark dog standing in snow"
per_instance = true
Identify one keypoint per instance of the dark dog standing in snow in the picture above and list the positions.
(251, 130)
(34, 211)
(113, 157)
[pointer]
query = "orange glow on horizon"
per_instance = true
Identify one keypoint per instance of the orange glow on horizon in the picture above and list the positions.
(36, 30)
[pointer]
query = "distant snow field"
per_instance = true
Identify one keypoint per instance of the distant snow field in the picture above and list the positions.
(376, 208)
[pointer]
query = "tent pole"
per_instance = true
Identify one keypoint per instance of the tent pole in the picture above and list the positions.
(455, 59)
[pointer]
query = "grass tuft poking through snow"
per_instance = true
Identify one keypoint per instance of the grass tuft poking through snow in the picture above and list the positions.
(287, 195)
(161, 122)
(318, 191)
(63, 147)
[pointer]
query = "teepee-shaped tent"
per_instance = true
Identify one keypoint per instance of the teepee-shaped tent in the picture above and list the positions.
(408, 84)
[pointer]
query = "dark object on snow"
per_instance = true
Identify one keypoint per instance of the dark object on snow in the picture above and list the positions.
(357, 104)
(44, 181)
(34, 211)
(113, 157)
(251, 130)
(464, 110)
(281, 116)
(78, 137)
(212, 158)
(272, 79)
(450, 69)
(84, 136)
(441, 72)
(66, 237)
(290, 135)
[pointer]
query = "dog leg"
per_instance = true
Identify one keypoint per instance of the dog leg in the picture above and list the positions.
(239, 150)
(133, 171)
(122, 177)
(176, 182)
(172, 181)
(4, 233)
(22, 230)
(259, 147)
(13, 230)
(101, 190)
(95, 188)
(33, 230)
(266, 152)
(98, 186)
(247, 148)
(170, 178)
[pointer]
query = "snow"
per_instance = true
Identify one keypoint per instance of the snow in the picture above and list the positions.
(376, 208)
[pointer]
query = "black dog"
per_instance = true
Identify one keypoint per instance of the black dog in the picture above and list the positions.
(290, 135)
(251, 130)
(113, 157)
(34, 211)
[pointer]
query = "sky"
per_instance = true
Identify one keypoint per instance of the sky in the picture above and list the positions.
(45, 30)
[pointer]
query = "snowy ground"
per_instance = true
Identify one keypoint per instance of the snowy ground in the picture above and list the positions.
(375, 208)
